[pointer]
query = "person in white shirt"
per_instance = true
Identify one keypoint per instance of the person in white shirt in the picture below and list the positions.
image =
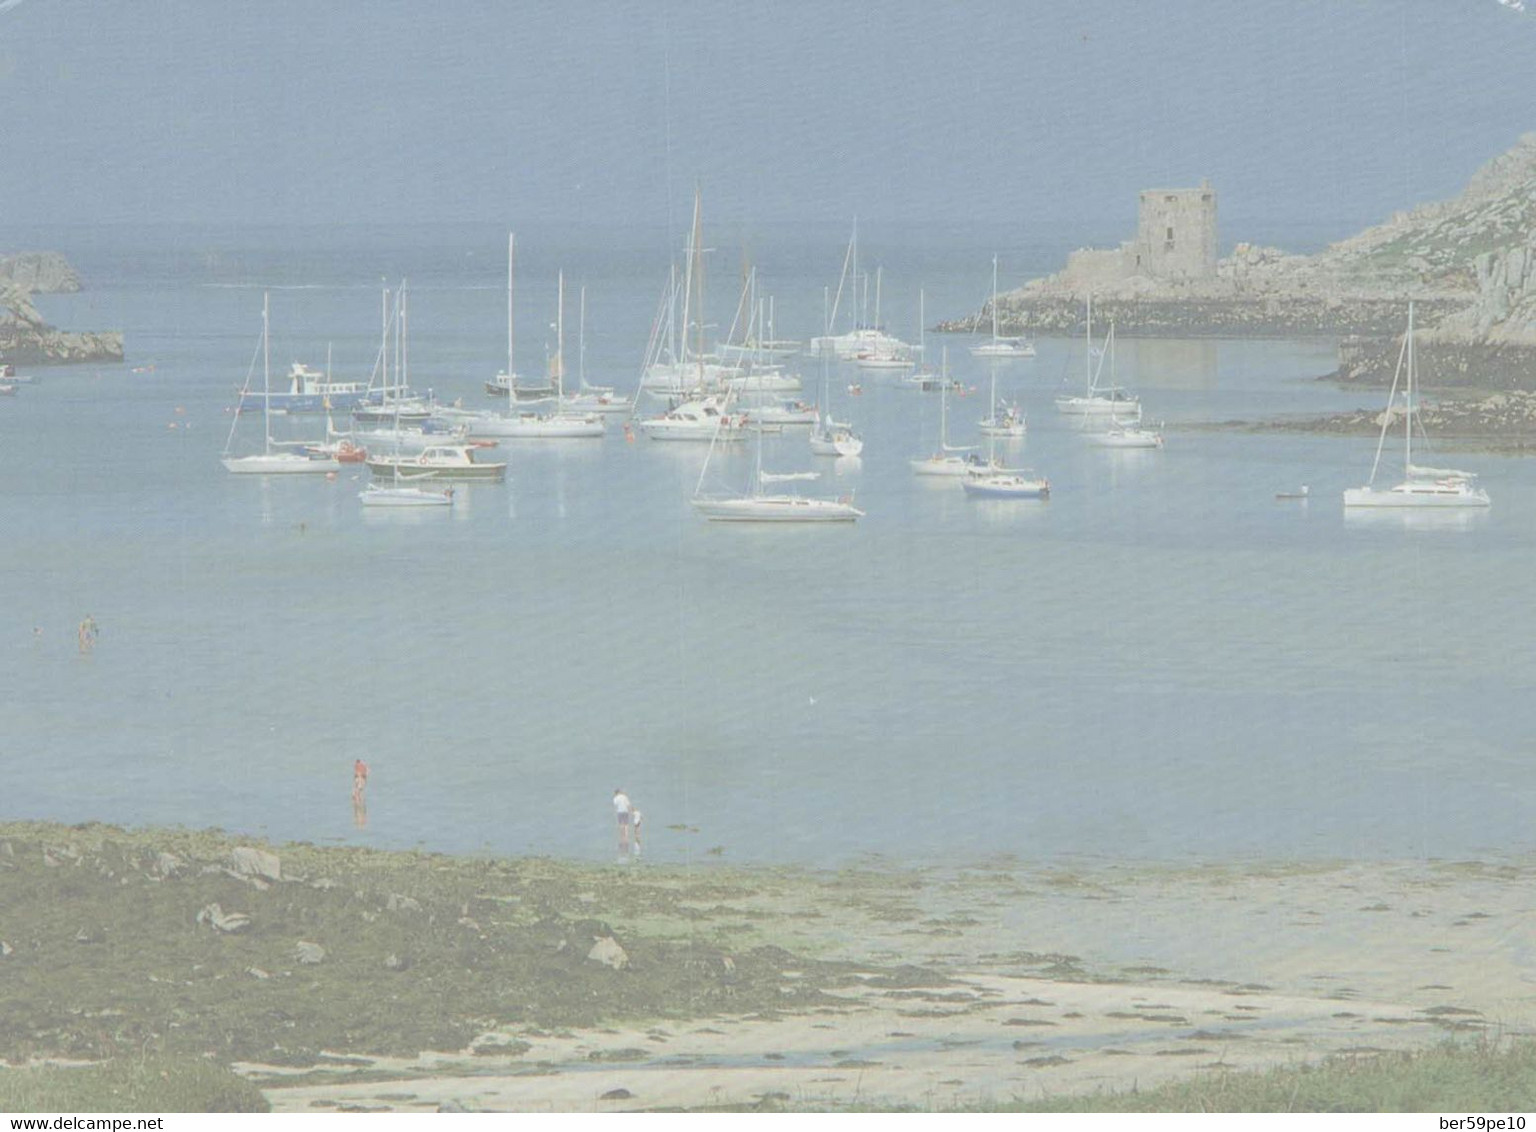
(621, 810)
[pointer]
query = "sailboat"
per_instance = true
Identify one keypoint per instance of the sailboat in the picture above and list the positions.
(1001, 347)
(591, 398)
(1421, 486)
(860, 338)
(674, 370)
(403, 490)
(273, 459)
(893, 355)
(1005, 418)
(758, 504)
(831, 437)
(948, 461)
(561, 424)
(1007, 483)
(1127, 434)
(506, 382)
(1100, 400)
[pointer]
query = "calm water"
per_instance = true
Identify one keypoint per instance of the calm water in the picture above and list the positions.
(1160, 662)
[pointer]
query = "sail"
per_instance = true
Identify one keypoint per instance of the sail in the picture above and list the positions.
(786, 477)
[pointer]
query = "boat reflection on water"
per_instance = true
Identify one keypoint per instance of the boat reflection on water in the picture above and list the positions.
(1416, 518)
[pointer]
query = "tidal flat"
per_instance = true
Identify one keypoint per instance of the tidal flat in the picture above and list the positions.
(359, 979)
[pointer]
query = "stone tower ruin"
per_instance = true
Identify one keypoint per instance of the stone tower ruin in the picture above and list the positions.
(1175, 234)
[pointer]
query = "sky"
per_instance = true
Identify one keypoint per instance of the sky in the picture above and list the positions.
(588, 112)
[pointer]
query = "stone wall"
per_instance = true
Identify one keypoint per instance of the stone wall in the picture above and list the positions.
(1175, 234)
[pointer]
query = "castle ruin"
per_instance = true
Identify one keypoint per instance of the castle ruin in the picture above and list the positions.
(1175, 240)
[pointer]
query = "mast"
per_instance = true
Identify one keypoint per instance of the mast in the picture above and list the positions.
(1088, 348)
(698, 253)
(510, 237)
(559, 339)
(994, 304)
(1408, 415)
(266, 375)
(384, 342)
(581, 341)
(922, 327)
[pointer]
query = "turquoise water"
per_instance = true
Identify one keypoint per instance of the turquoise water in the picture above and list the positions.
(1159, 662)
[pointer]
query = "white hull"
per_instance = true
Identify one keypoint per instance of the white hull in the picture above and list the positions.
(279, 464)
(1099, 406)
(955, 466)
(1003, 350)
(764, 383)
(557, 427)
(689, 430)
(777, 509)
(1417, 496)
(1002, 485)
(849, 346)
(781, 416)
(1002, 428)
(1131, 438)
(377, 496)
(836, 444)
(879, 363)
(597, 403)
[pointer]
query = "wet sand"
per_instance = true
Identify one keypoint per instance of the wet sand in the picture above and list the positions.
(1018, 982)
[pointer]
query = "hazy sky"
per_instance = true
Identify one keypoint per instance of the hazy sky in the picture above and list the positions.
(300, 111)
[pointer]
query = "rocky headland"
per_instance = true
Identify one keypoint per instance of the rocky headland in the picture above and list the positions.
(1468, 263)
(47, 272)
(26, 338)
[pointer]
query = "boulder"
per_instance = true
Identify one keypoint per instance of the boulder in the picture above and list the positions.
(220, 920)
(308, 953)
(251, 862)
(606, 950)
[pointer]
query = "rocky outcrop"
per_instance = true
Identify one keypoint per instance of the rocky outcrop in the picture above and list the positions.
(1468, 263)
(39, 271)
(1500, 421)
(26, 339)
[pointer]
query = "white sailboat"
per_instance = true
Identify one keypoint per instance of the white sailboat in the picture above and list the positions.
(404, 490)
(1125, 434)
(591, 398)
(831, 437)
(273, 459)
(675, 371)
(1100, 400)
(1001, 347)
(759, 504)
(506, 383)
(1422, 487)
(950, 459)
(859, 338)
(525, 424)
(1006, 419)
(1007, 483)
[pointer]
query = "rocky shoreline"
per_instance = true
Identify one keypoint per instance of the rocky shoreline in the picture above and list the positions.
(1468, 264)
(26, 338)
(351, 979)
(1175, 317)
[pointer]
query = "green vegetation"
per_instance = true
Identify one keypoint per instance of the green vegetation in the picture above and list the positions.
(1468, 1078)
(111, 947)
(153, 1084)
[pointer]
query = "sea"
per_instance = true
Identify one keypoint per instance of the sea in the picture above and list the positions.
(1161, 662)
